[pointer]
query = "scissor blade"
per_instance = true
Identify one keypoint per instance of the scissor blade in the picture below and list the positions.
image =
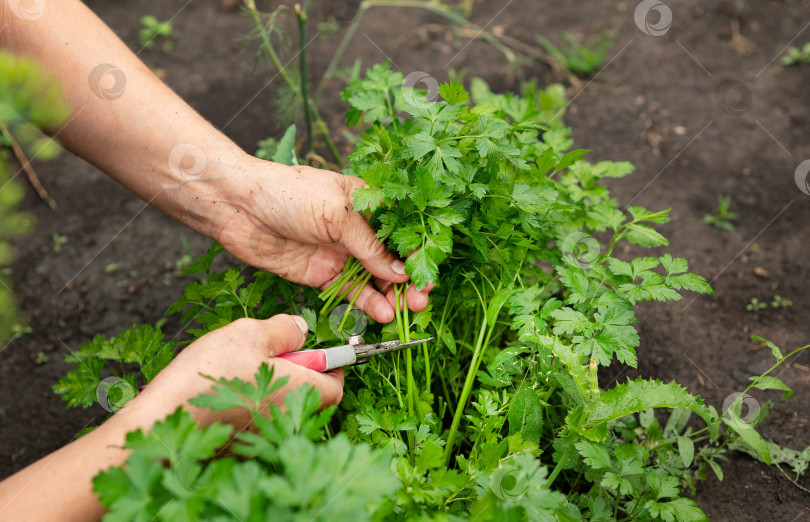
(368, 350)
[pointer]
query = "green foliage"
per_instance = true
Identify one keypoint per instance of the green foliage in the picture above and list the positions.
(579, 57)
(289, 473)
(796, 56)
(721, 217)
(501, 416)
(153, 31)
(142, 349)
(755, 305)
(219, 298)
(282, 151)
(29, 94)
(30, 100)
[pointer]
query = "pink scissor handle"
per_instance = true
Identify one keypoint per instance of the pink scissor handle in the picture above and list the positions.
(323, 359)
(312, 359)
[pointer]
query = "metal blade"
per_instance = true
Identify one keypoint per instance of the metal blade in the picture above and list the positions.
(367, 350)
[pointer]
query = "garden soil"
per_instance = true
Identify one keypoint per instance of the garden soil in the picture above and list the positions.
(702, 110)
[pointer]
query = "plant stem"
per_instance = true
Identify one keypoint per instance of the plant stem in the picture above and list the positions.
(754, 383)
(324, 131)
(465, 392)
(311, 108)
(301, 14)
(362, 283)
(557, 469)
(386, 379)
(335, 290)
(439, 332)
(772, 368)
(427, 366)
(409, 377)
(401, 315)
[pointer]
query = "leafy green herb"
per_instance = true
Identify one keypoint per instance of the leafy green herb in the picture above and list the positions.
(290, 475)
(796, 56)
(501, 415)
(135, 356)
(721, 217)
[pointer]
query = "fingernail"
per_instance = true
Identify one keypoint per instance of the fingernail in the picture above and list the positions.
(398, 267)
(302, 324)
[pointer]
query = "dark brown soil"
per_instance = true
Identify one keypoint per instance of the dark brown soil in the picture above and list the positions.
(663, 103)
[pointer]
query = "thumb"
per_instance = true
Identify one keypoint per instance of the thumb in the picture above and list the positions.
(284, 333)
(360, 240)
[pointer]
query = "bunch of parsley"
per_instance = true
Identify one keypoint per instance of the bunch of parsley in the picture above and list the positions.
(501, 415)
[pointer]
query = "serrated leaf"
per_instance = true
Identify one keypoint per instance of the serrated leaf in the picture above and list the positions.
(366, 199)
(595, 455)
(569, 158)
(569, 321)
(642, 214)
(533, 198)
(640, 395)
(422, 268)
(645, 236)
(454, 93)
(614, 169)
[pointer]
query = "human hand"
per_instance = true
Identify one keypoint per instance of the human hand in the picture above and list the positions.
(233, 351)
(298, 222)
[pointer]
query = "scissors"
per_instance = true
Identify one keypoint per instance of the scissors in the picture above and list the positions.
(350, 354)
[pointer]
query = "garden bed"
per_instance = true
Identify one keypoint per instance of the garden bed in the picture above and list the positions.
(655, 104)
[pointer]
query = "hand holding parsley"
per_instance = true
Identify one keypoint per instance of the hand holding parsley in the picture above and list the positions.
(300, 223)
(234, 351)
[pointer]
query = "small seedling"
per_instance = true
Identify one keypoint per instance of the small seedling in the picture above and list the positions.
(781, 302)
(721, 217)
(796, 56)
(58, 241)
(754, 305)
(184, 262)
(153, 30)
(111, 267)
(18, 330)
(580, 58)
(41, 358)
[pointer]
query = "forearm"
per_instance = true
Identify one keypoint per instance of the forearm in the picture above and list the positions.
(124, 119)
(60, 485)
